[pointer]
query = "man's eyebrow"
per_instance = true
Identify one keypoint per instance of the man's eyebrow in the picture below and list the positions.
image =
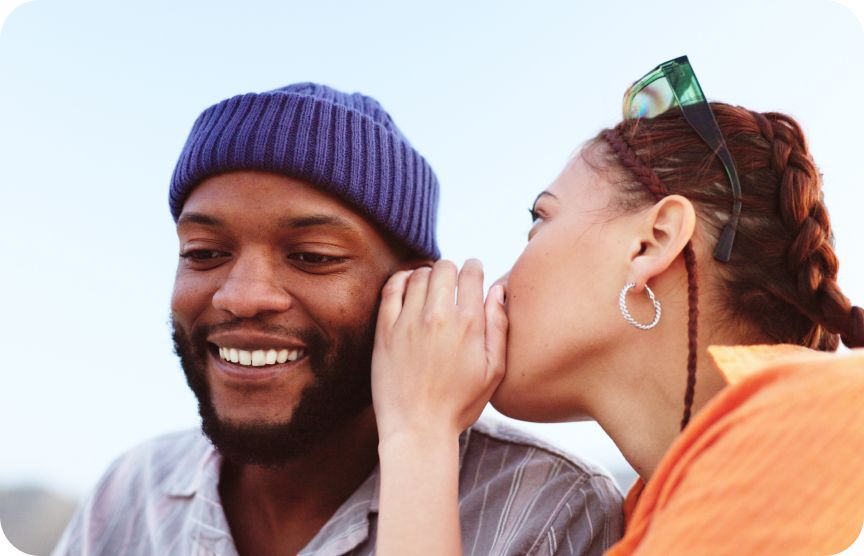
(198, 218)
(315, 220)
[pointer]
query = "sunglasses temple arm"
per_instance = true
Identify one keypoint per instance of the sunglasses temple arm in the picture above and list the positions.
(702, 120)
(723, 250)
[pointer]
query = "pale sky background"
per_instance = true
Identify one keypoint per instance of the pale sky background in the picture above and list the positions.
(96, 100)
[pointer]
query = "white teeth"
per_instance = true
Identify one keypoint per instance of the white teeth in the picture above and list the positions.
(259, 357)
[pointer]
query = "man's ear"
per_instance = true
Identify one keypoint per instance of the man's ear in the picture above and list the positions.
(661, 237)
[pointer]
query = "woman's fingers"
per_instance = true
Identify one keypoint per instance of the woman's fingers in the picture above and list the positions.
(391, 301)
(496, 334)
(442, 285)
(470, 293)
(415, 294)
(439, 354)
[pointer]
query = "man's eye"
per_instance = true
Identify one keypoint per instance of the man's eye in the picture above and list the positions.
(315, 258)
(535, 216)
(199, 255)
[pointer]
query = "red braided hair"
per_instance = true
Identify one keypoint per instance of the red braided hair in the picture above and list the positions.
(782, 277)
(631, 161)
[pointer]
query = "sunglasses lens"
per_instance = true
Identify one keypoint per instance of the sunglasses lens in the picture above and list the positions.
(648, 101)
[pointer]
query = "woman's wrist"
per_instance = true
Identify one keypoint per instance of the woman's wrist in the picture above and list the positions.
(419, 490)
(419, 440)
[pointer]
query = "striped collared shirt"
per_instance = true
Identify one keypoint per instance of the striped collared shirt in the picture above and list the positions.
(517, 495)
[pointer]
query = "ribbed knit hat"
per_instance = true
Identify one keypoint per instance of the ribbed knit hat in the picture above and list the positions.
(345, 144)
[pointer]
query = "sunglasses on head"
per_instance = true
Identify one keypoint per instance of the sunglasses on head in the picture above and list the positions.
(673, 84)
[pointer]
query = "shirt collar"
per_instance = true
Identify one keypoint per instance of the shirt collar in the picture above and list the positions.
(193, 468)
(736, 363)
(197, 475)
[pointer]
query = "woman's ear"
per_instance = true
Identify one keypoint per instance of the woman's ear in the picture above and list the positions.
(662, 235)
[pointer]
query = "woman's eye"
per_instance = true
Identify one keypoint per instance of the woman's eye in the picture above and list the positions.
(537, 217)
(537, 214)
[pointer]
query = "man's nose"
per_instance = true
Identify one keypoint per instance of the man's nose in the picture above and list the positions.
(252, 288)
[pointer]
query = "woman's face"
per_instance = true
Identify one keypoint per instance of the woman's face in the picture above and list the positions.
(562, 297)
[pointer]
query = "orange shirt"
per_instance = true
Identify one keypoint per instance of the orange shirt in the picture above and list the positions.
(774, 464)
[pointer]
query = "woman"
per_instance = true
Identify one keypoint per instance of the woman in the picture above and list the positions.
(747, 437)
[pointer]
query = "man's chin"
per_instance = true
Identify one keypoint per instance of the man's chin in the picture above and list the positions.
(254, 442)
(339, 391)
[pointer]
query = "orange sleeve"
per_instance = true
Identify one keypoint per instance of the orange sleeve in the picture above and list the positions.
(781, 473)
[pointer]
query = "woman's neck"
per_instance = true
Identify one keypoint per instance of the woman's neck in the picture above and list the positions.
(642, 410)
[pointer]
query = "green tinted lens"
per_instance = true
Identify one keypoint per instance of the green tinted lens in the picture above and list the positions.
(649, 100)
(670, 84)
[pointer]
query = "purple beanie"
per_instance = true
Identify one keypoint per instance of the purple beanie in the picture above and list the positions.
(346, 144)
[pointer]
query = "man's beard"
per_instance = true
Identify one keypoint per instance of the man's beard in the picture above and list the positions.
(340, 391)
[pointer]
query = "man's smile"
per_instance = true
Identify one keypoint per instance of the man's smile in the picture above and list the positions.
(259, 357)
(254, 364)
(252, 355)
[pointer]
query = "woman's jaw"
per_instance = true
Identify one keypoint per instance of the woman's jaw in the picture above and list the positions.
(561, 299)
(571, 354)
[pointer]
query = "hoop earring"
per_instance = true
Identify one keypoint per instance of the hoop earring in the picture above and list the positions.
(622, 304)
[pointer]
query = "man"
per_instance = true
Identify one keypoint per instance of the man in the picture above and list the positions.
(293, 207)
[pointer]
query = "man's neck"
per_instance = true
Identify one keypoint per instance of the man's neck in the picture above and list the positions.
(280, 509)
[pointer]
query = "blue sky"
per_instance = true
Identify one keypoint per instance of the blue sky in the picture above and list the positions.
(96, 99)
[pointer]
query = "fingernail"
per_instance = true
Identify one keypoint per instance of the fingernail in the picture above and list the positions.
(499, 294)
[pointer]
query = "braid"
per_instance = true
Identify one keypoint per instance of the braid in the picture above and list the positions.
(692, 319)
(631, 161)
(649, 179)
(854, 336)
(810, 257)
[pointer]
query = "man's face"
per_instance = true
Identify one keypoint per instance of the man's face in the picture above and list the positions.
(274, 309)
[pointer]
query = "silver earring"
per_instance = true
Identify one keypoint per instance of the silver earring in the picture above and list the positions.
(622, 304)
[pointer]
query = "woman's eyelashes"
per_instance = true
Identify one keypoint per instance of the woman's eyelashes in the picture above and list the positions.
(538, 213)
(538, 216)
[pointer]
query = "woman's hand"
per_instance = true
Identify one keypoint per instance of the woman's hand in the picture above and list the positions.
(439, 350)
(439, 355)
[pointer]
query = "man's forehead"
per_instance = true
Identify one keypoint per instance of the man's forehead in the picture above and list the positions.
(276, 200)
(189, 218)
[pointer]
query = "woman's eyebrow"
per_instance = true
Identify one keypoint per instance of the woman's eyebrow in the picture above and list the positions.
(544, 194)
